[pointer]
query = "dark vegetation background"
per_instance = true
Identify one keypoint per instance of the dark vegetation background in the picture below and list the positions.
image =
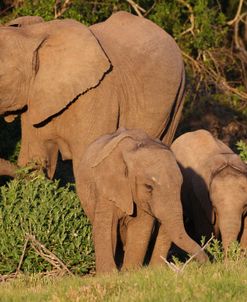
(212, 35)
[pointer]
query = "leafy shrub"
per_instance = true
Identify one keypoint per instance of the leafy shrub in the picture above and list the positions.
(216, 253)
(174, 17)
(87, 12)
(51, 213)
(242, 148)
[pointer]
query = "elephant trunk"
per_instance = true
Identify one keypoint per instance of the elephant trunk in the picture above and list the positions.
(7, 168)
(183, 241)
(229, 225)
(171, 217)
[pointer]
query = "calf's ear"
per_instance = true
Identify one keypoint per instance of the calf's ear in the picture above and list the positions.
(113, 182)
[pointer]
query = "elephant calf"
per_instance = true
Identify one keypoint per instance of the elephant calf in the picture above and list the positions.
(130, 178)
(214, 193)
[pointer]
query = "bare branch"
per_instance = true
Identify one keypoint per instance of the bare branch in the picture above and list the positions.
(137, 8)
(231, 22)
(237, 40)
(150, 9)
(60, 8)
(217, 78)
(41, 250)
(191, 18)
(22, 255)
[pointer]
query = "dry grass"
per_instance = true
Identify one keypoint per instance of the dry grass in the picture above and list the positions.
(225, 281)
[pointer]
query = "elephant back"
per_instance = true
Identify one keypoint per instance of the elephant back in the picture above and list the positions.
(150, 70)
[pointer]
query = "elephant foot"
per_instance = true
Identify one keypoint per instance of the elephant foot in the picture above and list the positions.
(103, 267)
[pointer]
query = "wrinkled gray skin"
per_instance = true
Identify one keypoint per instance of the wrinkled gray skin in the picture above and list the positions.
(6, 167)
(215, 187)
(74, 83)
(128, 177)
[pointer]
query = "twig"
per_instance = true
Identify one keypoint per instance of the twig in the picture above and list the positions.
(59, 12)
(179, 270)
(22, 256)
(218, 79)
(41, 250)
(137, 8)
(191, 18)
(150, 9)
(240, 4)
(237, 39)
(6, 9)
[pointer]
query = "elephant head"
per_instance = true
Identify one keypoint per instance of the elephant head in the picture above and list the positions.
(223, 195)
(138, 171)
(39, 77)
(35, 65)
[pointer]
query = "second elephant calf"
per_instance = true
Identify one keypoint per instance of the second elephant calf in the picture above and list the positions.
(215, 187)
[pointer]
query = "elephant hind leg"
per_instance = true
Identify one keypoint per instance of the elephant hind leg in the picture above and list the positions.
(175, 114)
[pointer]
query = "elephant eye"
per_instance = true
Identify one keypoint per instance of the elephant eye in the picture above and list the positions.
(149, 188)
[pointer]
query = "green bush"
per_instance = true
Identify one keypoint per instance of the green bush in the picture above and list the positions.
(51, 213)
(242, 148)
(208, 30)
(216, 252)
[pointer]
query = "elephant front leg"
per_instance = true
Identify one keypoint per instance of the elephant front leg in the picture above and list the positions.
(161, 247)
(104, 229)
(138, 234)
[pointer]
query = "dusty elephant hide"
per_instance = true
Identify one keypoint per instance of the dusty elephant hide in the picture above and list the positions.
(75, 83)
(214, 189)
(126, 180)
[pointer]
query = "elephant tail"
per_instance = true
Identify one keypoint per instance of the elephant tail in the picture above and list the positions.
(7, 168)
(175, 114)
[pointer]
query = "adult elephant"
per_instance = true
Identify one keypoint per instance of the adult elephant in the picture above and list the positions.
(73, 83)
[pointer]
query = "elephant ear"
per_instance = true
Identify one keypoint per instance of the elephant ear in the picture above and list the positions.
(114, 183)
(25, 20)
(135, 135)
(68, 64)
